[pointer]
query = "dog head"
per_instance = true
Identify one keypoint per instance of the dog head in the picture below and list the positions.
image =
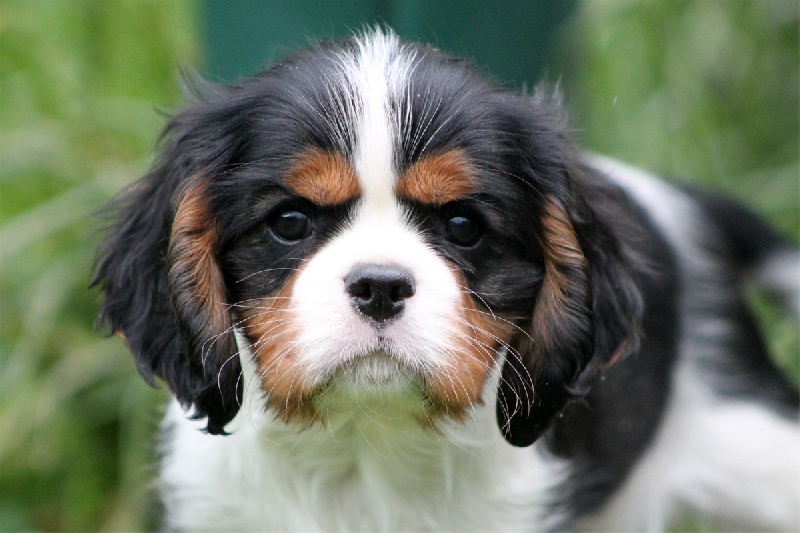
(370, 215)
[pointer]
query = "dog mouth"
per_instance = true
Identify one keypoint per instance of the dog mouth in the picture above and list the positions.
(376, 383)
(376, 371)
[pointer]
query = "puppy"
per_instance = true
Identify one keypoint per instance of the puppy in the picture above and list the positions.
(388, 295)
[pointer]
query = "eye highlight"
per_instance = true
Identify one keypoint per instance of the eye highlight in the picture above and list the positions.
(291, 225)
(463, 230)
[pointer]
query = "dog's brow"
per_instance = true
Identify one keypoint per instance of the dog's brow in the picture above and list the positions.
(324, 178)
(438, 179)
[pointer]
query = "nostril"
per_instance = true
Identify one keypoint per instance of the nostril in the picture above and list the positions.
(379, 291)
(401, 290)
(361, 289)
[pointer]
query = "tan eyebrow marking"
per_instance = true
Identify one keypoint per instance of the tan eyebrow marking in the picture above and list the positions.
(437, 179)
(324, 178)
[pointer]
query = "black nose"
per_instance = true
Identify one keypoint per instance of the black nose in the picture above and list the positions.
(379, 291)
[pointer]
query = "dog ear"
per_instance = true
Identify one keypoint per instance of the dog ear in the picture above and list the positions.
(198, 295)
(164, 291)
(585, 315)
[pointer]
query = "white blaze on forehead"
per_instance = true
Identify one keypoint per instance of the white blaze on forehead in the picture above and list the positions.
(379, 74)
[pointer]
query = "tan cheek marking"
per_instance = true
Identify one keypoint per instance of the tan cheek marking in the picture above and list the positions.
(474, 351)
(324, 178)
(270, 327)
(437, 179)
(193, 266)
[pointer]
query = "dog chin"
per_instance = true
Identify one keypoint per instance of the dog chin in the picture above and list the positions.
(375, 378)
(375, 372)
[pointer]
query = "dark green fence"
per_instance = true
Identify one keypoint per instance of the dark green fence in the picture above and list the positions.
(513, 39)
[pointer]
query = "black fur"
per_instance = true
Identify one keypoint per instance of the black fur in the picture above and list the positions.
(607, 323)
(604, 433)
(746, 238)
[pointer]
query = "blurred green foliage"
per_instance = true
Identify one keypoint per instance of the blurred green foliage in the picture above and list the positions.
(79, 86)
(703, 90)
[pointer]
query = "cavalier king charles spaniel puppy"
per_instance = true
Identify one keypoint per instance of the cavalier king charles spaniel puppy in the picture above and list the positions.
(388, 295)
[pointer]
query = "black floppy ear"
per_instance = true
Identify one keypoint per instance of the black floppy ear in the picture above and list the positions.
(586, 314)
(164, 291)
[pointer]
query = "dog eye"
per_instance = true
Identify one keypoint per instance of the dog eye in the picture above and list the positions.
(463, 231)
(291, 225)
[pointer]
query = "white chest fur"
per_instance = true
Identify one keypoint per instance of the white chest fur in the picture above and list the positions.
(366, 469)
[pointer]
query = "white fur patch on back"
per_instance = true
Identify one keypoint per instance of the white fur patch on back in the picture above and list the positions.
(780, 274)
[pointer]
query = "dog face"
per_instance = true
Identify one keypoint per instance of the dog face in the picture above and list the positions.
(372, 217)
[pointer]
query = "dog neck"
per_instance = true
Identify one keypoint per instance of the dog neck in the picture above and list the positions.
(369, 466)
(386, 428)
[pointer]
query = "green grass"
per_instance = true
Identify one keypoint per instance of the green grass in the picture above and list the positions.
(706, 91)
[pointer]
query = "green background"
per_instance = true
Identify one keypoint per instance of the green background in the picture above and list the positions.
(514, 39)
(704, 91)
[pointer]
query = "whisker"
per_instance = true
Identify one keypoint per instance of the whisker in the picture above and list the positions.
(267, 270)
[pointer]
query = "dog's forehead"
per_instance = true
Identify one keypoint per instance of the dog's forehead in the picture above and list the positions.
(384, 135)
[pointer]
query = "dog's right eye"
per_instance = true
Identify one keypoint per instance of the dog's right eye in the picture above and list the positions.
(463, 231)
(291, 225)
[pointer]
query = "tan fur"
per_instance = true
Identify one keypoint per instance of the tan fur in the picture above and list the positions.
(437, 179)
(192, 256)
(563, 294)
(323, 178)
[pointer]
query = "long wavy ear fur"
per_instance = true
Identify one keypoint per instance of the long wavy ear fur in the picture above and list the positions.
(586, 315)
(588, 309)
(198, 294)
(544, 363)
(164, 292)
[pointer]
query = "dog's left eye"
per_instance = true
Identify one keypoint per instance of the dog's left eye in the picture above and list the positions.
(463, 230)
(291, 225)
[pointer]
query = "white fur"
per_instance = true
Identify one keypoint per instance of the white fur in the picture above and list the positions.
(731, 459)
(378, 74)
(369, 469)
(780, 274)
(332, 332)
(734, 461)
